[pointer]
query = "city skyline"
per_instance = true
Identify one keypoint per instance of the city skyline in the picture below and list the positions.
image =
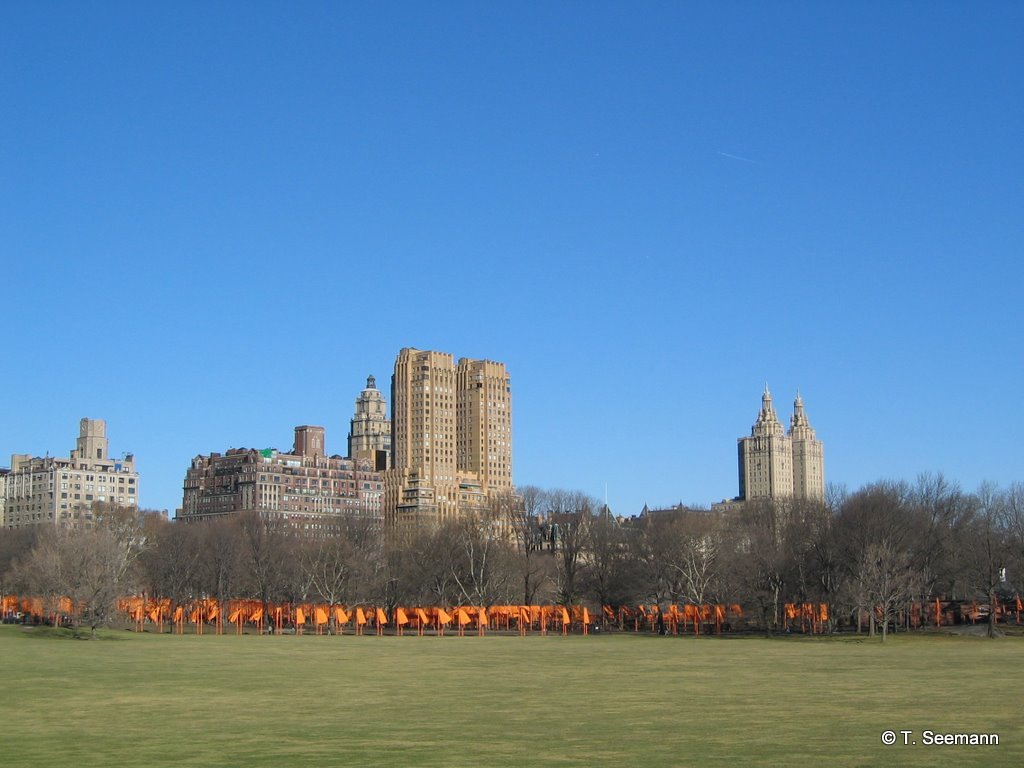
(216, 225)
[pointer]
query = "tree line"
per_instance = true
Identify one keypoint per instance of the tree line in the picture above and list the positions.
(874, 550)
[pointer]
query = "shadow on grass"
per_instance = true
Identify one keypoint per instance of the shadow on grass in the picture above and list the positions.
(62, 633)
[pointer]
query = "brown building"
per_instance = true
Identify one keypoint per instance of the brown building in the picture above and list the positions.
(306, 488)
(451, 438)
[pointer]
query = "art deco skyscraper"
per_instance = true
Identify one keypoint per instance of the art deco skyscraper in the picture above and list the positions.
(484, 423)
(451, 438)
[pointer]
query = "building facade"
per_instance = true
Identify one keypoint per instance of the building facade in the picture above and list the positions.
(369, 436)
(451, 438)
(67, 491)
(774, 464)
(318, 494)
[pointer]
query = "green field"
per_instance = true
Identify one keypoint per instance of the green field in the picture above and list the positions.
(153, 700)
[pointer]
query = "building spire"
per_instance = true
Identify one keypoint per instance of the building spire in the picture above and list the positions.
(799, 425)
(767, 423)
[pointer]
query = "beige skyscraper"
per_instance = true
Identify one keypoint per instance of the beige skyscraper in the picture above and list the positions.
(451, 438)
(484, 428)
(369, 435)
(774, 465)
(808, 456)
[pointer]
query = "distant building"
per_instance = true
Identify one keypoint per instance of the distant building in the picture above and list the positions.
(314, 492)
(451, 438)
(777, 465)
(369, 436)
(65, 491)
(4, 472)
(674, 510)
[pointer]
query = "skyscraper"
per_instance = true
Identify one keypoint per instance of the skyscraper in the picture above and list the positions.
(774, 465)
(451, 438)
(484, 423)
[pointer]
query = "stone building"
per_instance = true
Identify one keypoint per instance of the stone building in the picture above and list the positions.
(369, 436)
(451, 438)
(774, 464)
(66, 491)
(316, 493)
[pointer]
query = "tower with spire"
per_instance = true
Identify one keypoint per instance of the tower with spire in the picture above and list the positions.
(369, 435)
(777, 465)
(808, 455)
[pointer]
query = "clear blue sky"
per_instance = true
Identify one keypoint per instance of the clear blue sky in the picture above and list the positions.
(217, 219)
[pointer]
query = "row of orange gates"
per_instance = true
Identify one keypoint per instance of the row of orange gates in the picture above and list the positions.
(216, 616)
(321, 619)
(163, 614)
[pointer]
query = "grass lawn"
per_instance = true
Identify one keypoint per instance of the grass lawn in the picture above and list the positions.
(153, 700)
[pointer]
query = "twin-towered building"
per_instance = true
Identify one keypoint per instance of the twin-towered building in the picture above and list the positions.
(774, 464)
(451, 438)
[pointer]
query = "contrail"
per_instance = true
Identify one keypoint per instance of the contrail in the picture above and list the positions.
(744, 159)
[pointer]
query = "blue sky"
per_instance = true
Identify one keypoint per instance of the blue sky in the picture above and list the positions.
(217, 219)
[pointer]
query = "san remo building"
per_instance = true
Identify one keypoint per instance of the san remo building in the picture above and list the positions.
(776, 465)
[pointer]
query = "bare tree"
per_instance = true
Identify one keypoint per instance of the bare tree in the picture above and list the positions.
(611, 573)
(533, 563)
(943, 518)
(483, 559)
(430, 565)
(881, 512)
(759, 558)
(889, 578)
(570, 517)
(170, 565)
(343, 568)
(91, 566)
(1012, 502)
(268, 557)
(15, 545)
(988, 547)
(221, 570)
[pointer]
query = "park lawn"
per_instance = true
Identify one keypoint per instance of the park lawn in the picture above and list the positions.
(608, 699)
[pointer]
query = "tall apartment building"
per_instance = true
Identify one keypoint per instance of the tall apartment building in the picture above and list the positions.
(777, 465)
(369, 436)
(64, 491)
(316, 493)
(451, 438)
